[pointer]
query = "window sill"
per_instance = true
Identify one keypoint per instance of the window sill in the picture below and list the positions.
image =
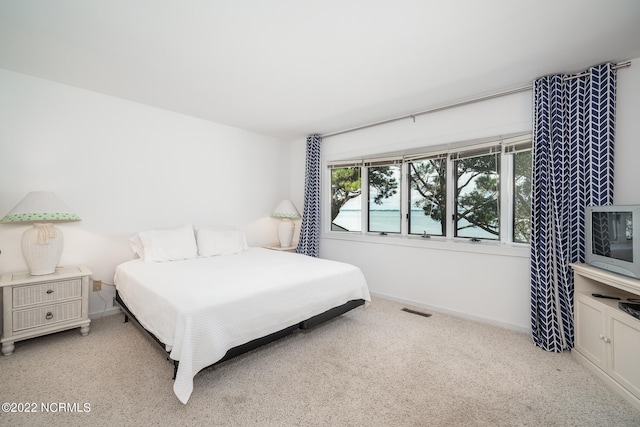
(438, 243)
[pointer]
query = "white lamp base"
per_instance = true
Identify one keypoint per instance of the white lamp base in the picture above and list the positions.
(285, 232)
(42, 248)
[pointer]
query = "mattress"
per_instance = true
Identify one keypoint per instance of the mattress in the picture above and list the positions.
(202, 307)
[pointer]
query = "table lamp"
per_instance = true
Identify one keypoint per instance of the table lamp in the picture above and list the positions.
(42, 243)
(286, 211)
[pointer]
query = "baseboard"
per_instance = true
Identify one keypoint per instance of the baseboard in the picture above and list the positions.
(104, 313)
(613, 384)
(454, 313)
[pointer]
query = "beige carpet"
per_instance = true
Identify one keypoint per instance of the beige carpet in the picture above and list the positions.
(378, 366)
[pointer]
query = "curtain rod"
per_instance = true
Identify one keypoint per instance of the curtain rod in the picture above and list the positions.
(587, 73)
(458, 104)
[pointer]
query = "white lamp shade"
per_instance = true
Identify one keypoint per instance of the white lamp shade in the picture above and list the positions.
(286, 209)
(42, 243)
(40, 206)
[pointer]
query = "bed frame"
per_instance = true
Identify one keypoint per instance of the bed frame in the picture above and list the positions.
(251, 345)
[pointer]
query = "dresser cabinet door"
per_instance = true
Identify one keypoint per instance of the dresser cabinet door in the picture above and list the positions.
(590, 337)
(625, 344)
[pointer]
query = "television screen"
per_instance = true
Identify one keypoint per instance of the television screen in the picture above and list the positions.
(612, 235)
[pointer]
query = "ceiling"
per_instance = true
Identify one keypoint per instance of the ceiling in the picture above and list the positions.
(288, 68)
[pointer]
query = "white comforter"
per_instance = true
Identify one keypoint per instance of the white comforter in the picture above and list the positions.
(200, 308)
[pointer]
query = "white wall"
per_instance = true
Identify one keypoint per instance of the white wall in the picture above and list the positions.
(627, 148)
(124, 167)
(490, 284)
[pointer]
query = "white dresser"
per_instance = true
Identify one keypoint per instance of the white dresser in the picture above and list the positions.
(607, 340)
(40, 305)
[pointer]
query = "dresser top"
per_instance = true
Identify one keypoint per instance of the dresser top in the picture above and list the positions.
(609, 278)
(61, 273)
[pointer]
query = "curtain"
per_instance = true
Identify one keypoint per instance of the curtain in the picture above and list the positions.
(573, 135)
(309, 242)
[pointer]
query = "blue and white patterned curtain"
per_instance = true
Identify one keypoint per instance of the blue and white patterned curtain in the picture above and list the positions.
(573, 136)
(309, 243)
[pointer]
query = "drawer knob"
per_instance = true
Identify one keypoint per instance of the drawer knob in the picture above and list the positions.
(50, 291)
(49, 316)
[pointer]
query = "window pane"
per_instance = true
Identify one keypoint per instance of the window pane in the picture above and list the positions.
(522, 197)
(477, 210)
(346, 188)
(427, 197)
(384, 199)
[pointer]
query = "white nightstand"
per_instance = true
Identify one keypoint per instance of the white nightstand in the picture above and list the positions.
(40, 305)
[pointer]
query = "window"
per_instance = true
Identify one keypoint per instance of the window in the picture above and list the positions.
(477, 212)
(346, 188)
(477, 192)
(522, 197)
(427, 196)
(522, 161)
(384, 200)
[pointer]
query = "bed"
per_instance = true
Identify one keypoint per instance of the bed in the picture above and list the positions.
(214, 305)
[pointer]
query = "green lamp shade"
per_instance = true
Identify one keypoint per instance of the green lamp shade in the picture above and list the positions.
(285, 209)
(40, 206)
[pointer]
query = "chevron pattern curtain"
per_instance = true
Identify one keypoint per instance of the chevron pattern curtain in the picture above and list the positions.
(309, 242)
(574, 120)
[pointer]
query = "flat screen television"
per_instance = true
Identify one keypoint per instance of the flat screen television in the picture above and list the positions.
(609, 238)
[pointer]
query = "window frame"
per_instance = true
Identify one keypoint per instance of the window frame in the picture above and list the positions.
(395, 162)
(328, 194)
(504, 146)
(492, 150)
(510, 148)
(408, 186)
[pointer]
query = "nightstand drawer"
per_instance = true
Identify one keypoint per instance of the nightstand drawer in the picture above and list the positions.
(26, 319)
(46, 292)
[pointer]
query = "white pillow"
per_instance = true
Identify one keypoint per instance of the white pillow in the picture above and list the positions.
(220, 242)
(136, 246)
(169, 244)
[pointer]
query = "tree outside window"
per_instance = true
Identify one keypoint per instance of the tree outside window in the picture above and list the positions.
(475, 184)
(427, 197)
(477, 211)
(522, 197)
(346, 186)
(384, 208)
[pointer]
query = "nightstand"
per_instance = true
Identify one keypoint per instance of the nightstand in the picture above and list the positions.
(40, 305)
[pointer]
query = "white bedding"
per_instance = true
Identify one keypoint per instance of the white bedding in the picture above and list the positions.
(202, 307)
